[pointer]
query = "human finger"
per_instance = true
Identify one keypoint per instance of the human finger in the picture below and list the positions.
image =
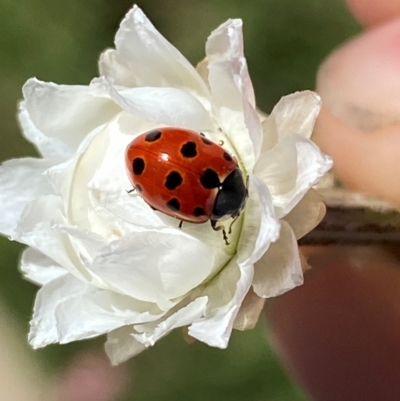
(373, 12)
(360, 124)
(338, 333)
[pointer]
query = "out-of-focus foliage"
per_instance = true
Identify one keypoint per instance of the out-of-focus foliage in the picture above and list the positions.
(285, 40)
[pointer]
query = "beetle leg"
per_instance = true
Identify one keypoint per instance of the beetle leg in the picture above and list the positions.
(220, 228)
(131, 190)
(180, 224)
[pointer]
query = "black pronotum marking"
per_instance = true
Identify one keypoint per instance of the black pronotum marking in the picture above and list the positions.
(173, 180)
(210, 179)
(189, 150)
(199, 211)
(138, 188)
(206, 141)
(231, 196)
(227, 156)
(174, 205)
(153, 136)
(138, 165)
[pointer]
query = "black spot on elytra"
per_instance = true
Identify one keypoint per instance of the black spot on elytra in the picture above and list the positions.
(206, 141)
(138, 165)
(210, 179)
(189, 150)
(138, 188)
(173, 180)
(174, 205)
(153, 136)
(227, 156)
(199, 211)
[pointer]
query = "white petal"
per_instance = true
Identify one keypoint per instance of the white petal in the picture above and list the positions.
(21, 181)
(270, 138)
(114, 68)
(47, 146)
(202, 69)
(66, 112)
(132, 125)
(117, 216)
(225, 293)
(261, 227)
(152, 59)
(226, 43)
(71, 178)
(183, 317)
(100, 311)
(293, 114)
(296, 114)
(166, 106)
(305, 216)
(38, 268)
(278, 167)
(121, 345)
(279, 270)
(166, 264)
(232, 91)
(35, 229)
(254, 127)
(120, 212)
(98, 162)
(43, 325)
(290, 169)
(262, 116)
(249, 311)
(86, 244)
(113, 212)
(60, 177)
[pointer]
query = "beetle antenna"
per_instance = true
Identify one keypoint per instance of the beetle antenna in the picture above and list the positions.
(233, 221)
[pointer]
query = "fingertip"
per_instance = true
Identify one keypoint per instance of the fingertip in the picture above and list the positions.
(359, 125)
(370, 12)
(365, 162)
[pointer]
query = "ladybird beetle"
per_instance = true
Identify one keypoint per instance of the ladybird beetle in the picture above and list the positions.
(185, 175)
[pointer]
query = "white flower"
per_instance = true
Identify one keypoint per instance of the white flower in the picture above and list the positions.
(105, 261)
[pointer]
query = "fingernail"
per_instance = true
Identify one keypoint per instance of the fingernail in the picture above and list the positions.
(360, 81)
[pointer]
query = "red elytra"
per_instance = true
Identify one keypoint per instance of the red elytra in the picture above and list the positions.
(185, 175)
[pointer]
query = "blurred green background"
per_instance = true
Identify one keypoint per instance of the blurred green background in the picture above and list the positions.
(55, 40)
